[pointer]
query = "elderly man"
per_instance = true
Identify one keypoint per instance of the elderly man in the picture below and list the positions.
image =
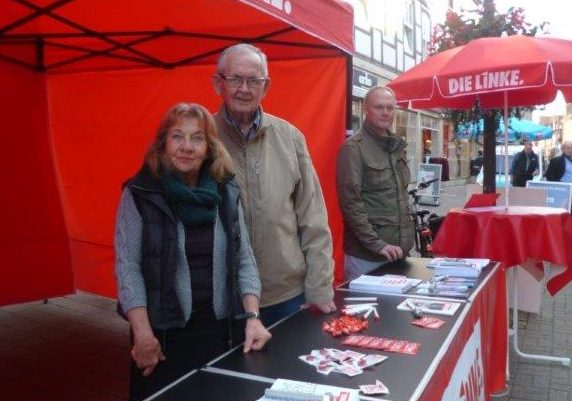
(372, 180)
(282, 198)
(560, 167)
(524, 165)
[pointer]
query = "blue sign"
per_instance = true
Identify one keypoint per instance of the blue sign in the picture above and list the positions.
(558, 194)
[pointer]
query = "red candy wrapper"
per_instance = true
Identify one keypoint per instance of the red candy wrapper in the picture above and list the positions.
(344, 325)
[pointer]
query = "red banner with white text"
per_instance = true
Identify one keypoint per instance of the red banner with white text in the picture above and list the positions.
(474, 365)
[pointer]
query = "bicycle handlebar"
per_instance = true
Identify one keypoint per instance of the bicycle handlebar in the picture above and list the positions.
(425, 184)
(422, 185)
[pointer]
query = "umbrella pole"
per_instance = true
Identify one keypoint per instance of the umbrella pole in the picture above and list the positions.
(506, 174)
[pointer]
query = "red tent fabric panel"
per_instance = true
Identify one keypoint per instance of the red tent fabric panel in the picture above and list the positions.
(101, 124)
(33, 239)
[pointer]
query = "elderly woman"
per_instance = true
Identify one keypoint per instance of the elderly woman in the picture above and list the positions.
(183, 258)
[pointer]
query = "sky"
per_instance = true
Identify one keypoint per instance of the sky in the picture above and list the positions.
(557, 12)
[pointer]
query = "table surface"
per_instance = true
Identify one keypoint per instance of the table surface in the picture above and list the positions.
(206, 386)
(301, 333)
(415, 268)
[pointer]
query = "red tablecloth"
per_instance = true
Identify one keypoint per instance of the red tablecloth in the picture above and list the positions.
(514, 236)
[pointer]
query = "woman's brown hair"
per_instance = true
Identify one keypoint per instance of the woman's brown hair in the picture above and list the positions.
(220, 161)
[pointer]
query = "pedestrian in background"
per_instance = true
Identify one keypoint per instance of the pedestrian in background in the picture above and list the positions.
(477, 163)
(560, 167)
(283, 201)
(183, 258)
(372, 180)
(524, 165)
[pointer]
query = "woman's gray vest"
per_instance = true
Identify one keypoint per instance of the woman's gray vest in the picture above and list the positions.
(159, 247)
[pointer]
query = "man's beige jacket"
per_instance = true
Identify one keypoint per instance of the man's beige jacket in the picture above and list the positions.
(284, 210)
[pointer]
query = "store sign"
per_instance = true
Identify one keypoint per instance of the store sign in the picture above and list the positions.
(363, 79)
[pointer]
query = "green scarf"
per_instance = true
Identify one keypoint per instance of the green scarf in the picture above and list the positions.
(193, 206)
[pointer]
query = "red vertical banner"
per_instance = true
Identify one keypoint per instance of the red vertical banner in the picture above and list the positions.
(474, 366)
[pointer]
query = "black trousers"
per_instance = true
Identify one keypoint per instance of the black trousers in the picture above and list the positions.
(201, 340)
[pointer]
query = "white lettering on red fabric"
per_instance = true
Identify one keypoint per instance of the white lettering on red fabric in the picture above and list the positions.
(467, 380)
(486, 80)
(473, 387)
(283, 5)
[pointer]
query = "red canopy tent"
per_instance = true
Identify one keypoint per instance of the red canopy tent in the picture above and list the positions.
(84, 84)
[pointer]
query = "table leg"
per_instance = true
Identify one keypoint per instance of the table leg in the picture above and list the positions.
(563, 360)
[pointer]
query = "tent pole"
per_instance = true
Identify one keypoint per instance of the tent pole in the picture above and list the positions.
(40, 65)
(349, 95)
(506, 175)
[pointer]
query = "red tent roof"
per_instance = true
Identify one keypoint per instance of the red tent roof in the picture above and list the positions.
(83, 127)
(72, 35)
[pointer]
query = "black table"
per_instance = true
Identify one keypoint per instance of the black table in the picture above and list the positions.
(207, 386)
(244, 376)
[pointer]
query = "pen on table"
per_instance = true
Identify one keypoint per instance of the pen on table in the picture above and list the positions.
(415, 310)
(363, 299)
(360, 305)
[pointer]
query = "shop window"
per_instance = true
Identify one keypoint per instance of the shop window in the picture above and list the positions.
(357, 114)
(408, 23)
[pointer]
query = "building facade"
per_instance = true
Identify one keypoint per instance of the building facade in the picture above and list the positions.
(390, 37)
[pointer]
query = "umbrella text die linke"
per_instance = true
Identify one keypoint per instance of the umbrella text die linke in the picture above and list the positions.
(485, 81)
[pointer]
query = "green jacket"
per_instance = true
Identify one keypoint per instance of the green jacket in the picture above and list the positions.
(284, 209)
(372, 180)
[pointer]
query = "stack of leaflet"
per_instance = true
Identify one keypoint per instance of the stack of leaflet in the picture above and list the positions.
(447, 286)
(458, 267)
(291, 390)
(447, 308)
(389, 283)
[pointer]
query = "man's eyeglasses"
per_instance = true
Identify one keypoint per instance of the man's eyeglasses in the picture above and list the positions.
(235, 81)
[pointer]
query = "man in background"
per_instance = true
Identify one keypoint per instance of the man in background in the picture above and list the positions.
(524, 165)
(280, 192)
(560, 167)
(477, 163)
(372, 180)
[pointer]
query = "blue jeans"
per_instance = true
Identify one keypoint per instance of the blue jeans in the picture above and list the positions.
(271, 314)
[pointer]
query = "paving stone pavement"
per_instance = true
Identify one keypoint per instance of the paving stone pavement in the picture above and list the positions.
(75, 348)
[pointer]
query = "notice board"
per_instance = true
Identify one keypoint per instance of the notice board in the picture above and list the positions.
(558, 194)
(426, 172)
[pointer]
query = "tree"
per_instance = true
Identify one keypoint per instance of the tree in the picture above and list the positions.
(459, 29)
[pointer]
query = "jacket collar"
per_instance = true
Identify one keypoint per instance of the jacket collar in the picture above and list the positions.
(390, 142)
(145, 180)
(235, 133)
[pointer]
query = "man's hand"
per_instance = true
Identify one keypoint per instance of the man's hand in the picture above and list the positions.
(391, 252)
(328, 307)
(256, 335)
(147, 353)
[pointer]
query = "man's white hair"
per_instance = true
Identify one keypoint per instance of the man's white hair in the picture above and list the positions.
(242, 48)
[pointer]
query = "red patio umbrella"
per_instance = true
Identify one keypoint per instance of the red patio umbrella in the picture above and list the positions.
(528, 70)
(499, 72)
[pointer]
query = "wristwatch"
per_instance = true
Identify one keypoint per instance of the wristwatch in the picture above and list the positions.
(248, 315)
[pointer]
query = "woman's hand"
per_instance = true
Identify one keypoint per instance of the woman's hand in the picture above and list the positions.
(147, 353)
(256, 335)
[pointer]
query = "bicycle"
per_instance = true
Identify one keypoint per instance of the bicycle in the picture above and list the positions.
(425, 222)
